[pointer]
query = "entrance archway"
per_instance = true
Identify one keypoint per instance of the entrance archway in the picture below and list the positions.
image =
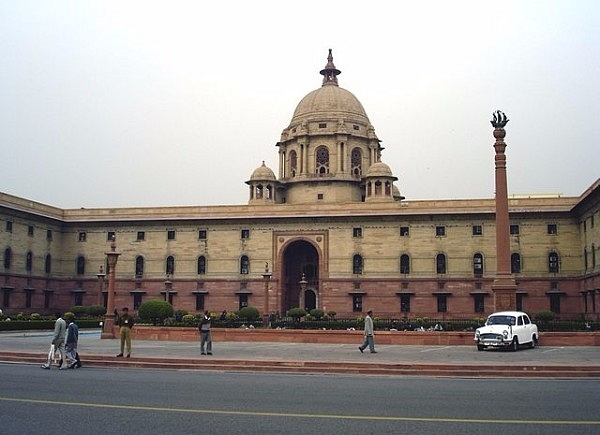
(300, 259)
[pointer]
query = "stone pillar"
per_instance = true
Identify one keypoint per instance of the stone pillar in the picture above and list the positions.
(266, 278)
(504, 286)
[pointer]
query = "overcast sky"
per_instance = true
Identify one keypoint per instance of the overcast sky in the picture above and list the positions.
(157, 103)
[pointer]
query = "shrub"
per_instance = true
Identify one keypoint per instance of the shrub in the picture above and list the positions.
(544, 315)
(155, 311)
(296, 313)
(189, 320)
(35, 316)
(249, 313)
(96, 310)
(331, 314)
(79, 310)
(317, 313)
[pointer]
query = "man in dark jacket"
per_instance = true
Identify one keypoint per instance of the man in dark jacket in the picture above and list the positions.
(205, 337)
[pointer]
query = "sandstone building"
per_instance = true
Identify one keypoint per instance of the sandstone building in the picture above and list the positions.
(330, 230)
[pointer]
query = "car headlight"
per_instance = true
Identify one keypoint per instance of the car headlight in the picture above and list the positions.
(505, 334)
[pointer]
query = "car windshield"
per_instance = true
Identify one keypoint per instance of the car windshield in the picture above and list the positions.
(501, 320)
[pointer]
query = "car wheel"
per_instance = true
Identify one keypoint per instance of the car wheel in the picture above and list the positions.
(480, 347)
(514, 346)
(533, 343)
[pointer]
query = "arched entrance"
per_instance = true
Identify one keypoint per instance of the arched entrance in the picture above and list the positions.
(300, 263)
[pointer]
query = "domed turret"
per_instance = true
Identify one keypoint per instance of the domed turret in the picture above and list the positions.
(263, 185)
(379, 183)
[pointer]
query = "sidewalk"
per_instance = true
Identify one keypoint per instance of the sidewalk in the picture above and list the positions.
(32, 347)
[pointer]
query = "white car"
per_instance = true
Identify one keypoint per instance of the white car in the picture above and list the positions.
(507, 329)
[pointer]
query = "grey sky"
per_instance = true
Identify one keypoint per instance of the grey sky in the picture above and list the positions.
(123, 103)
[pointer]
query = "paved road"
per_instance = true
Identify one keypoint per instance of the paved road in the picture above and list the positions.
(105, 400)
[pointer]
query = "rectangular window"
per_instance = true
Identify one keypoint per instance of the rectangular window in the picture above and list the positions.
(519, 301)
(320, 196)
(479, 303)
(245, 234)
(82, 236)
(514, 230)
(243, 300)
(110, 235)
(48, 234)
(442, 303)
(552, 229)
(555, 303)
(171, 235)
(6, 299)
(202, 234)
(477, 230)
(322, 125)
(28, 299)
(357, 303)
(356, 232)
(30, 230)
(78, 299)
(137, 300)
(405, 303)
(141, 235)
(404, 232)
(440, 231)
(8, 226)
(199, 301)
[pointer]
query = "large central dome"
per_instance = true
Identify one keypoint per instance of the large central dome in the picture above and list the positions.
(330, 101)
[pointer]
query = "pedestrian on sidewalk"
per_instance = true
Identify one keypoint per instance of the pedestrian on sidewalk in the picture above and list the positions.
(58, 340)
(205, 336)
(73, 360)
(125, 321)
(369, 340)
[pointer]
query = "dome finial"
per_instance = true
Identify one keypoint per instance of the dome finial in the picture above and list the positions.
(330, 72)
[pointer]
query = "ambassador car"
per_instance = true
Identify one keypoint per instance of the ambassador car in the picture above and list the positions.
(507, 329)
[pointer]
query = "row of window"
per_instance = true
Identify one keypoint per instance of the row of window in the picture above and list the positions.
(440, 231)
(357, 301)
(441, 263)
(244, 265)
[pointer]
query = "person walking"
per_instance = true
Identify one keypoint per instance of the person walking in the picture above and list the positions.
(71, 343)
(58, 341)
(126, 323)
(369, 340)
(205, 336)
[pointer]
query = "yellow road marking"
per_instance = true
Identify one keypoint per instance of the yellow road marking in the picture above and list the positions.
(300, 415)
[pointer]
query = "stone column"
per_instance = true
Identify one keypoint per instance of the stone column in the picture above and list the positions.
(504, 286)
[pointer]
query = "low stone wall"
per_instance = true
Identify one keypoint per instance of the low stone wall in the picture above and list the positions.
(428, 338)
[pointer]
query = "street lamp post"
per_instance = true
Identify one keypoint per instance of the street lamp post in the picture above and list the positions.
(168, 287)
(109, 319)
(101, 275)
(266, 278)
(303, 284)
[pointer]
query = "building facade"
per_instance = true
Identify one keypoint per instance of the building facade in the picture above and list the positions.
(330, 231)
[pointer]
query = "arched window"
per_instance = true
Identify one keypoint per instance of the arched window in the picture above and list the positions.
(170, 265)
(440, 263)
(515, 263)
(201, 265)
(80, 265)
(139, 266)
(478, 264)
(553, 262)
(259, 191)
(7, 258)
(29, 262)
(357, 265)
(48, 263)
(293, 164)
(356, 162)
(322, 161)
(244, 265)
(377, 188)
(593, 256)
(388, 188)
(269, 191)
(404, 263)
